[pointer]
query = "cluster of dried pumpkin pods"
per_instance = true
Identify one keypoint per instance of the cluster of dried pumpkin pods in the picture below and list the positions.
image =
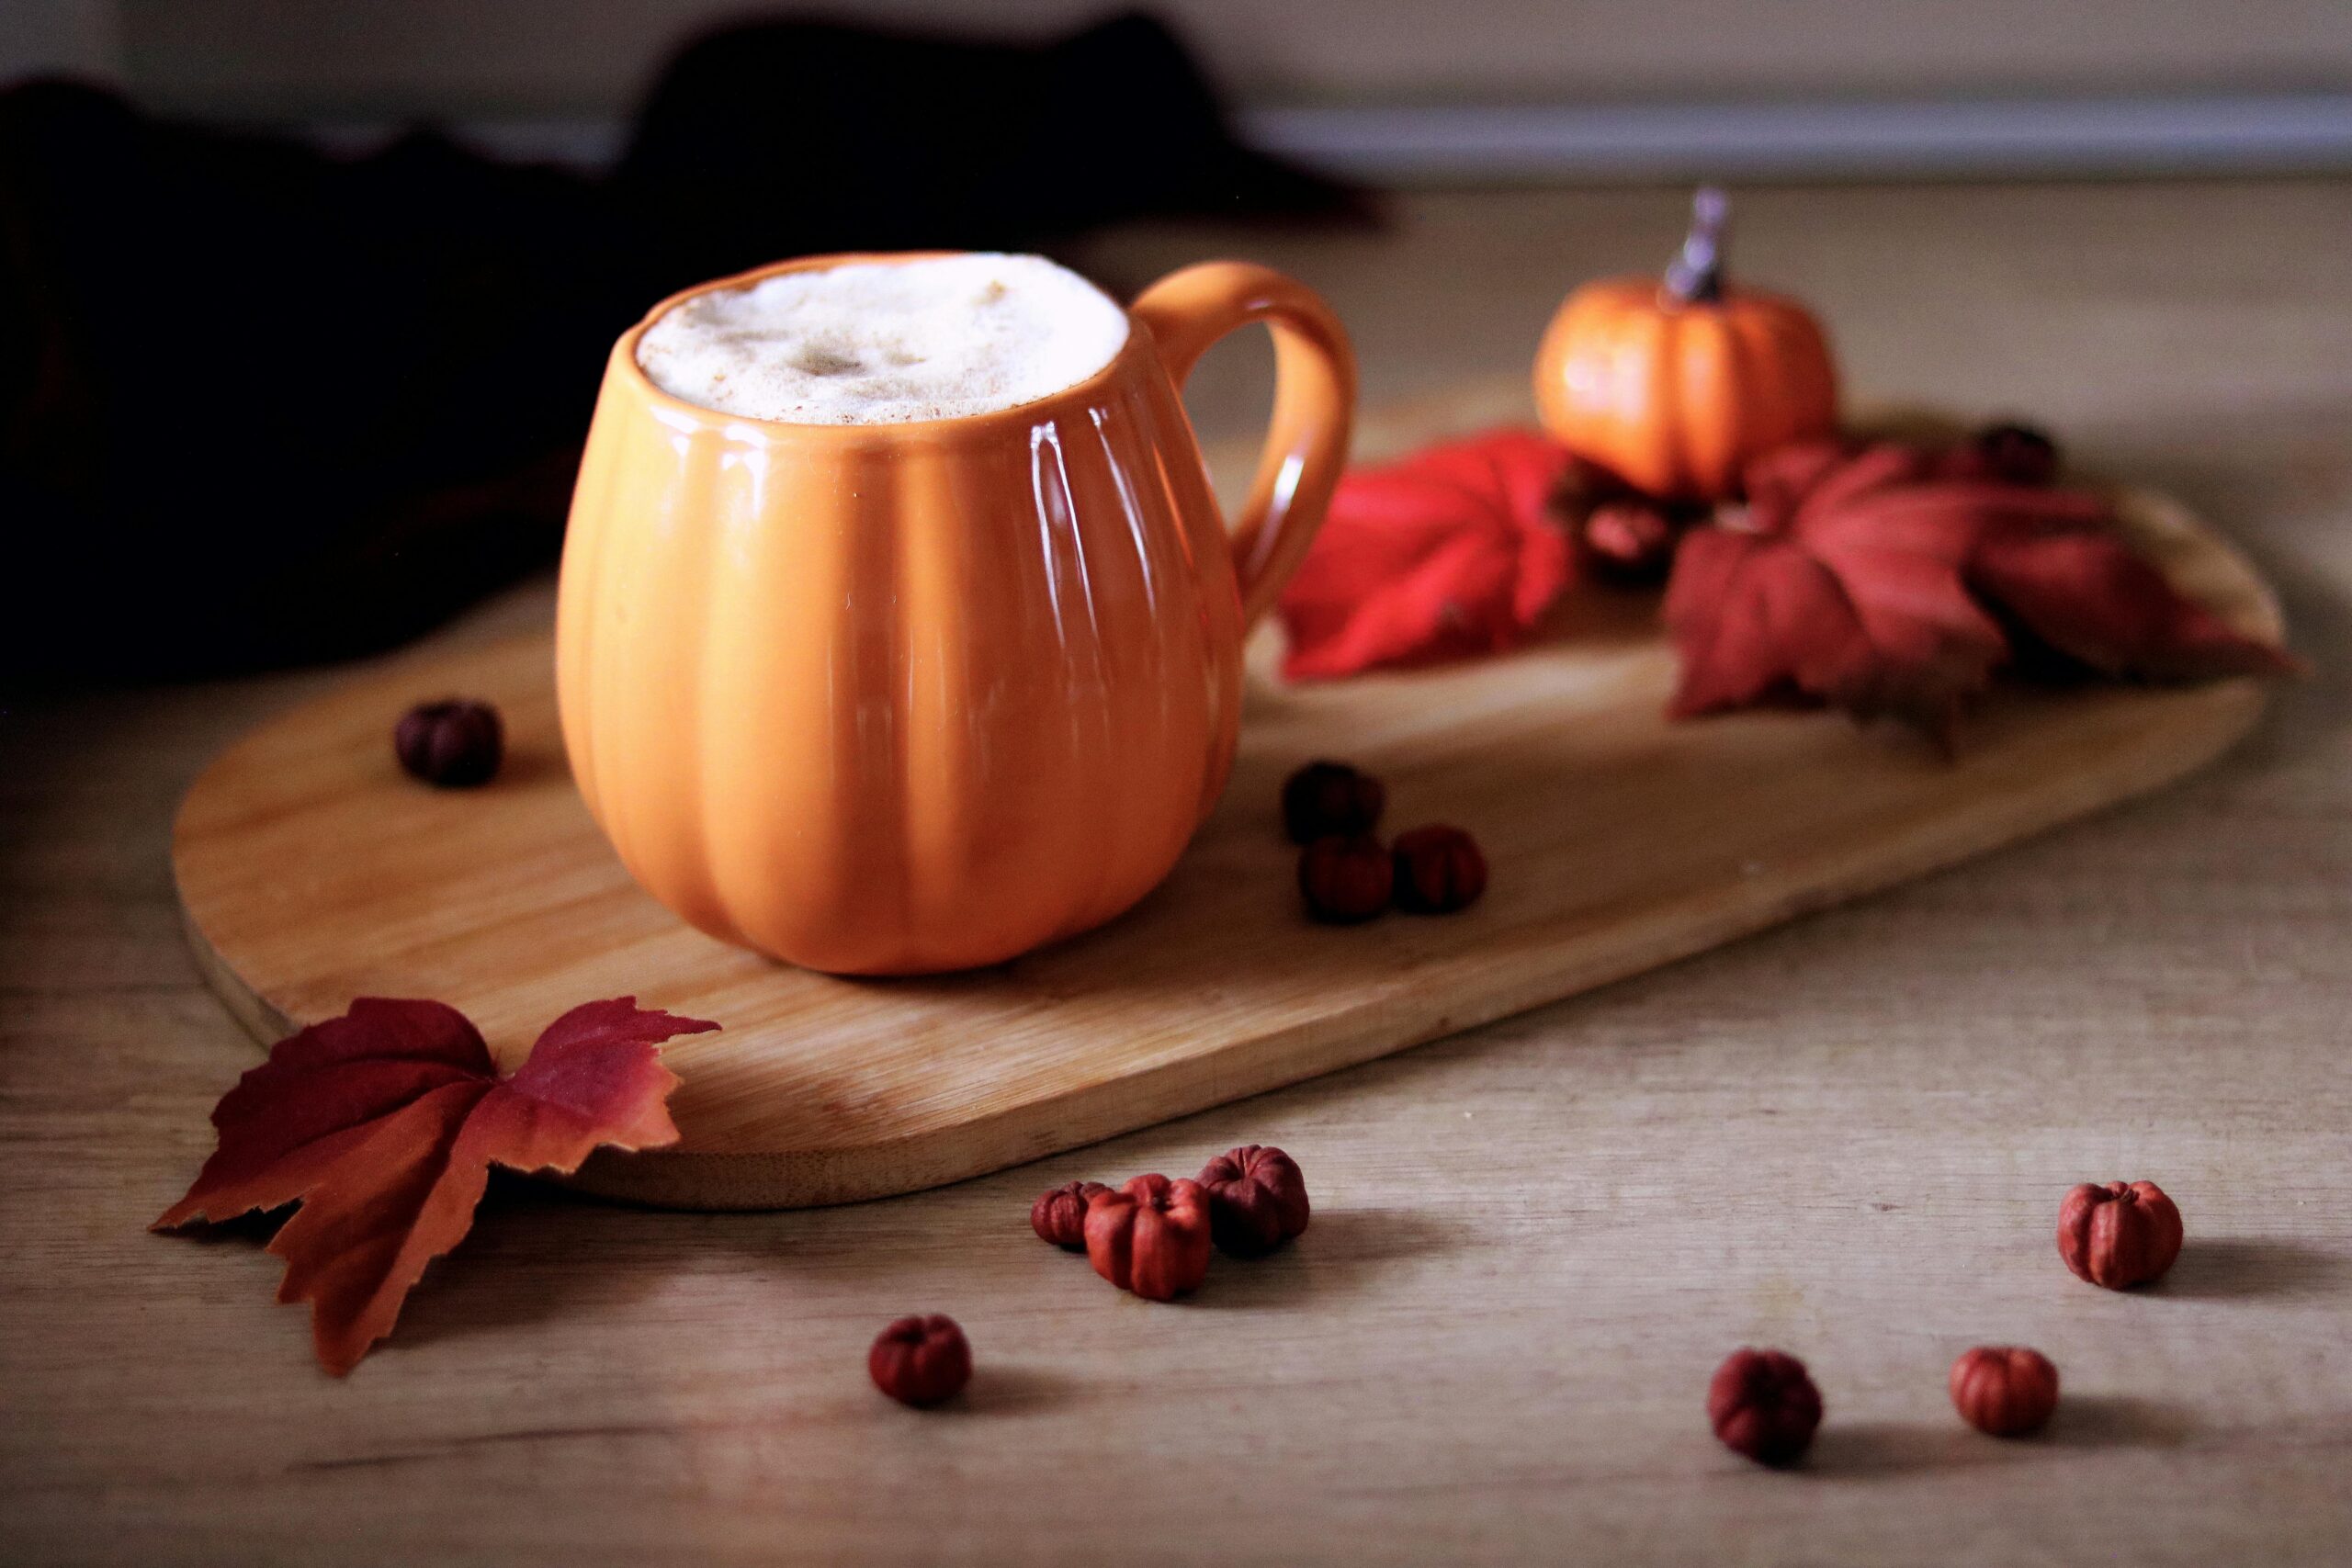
(1149, 1234)
(1763, 1403)
(1347, 877)
(1153, 1235)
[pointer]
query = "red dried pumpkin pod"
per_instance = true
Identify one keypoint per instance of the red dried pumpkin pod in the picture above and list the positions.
(1762, 1403)
(1257, 1199)
(2119, 1234)
(2004, 1390)
(2020, 454)
(920, 1360)
(1439, 870)
(1345, 881)
(1059, 1216)
(451, 744)
(1629, 542)
(1151, 1236)
(1675, 387)
(1325, 798)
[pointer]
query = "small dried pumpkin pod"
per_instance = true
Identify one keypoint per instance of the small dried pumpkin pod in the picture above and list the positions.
(1345, 881)
(920, 1360)
(2019, 454)
(1439, 870)
(1762, 1403)
(1059, 1216)
(1628, 541)
(1151, 1236)
(1325, 798)
(2004, 1390)
(2119, 1234)
(451, 744)
(1257, 1199)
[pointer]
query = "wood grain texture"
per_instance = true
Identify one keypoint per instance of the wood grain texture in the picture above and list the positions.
(313, 871)
(1847, 1136)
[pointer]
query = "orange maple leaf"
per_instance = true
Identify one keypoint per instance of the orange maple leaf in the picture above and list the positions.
(383, 1124)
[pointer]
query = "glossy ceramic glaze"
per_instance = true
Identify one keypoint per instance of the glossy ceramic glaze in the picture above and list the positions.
(895, 698)
(1674, 396)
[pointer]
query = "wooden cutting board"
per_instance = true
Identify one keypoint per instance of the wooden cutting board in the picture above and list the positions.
(312, 871)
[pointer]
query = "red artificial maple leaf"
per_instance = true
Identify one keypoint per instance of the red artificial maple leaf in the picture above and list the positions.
(383, 1124)
(1895, 581)
(1450, 552)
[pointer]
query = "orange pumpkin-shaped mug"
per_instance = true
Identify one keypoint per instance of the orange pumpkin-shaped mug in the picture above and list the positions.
(906, 697)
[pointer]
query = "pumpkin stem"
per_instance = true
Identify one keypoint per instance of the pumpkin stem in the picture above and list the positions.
(1695, 276)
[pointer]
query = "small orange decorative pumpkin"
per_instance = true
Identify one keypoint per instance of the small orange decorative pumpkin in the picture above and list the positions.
(1673, 387)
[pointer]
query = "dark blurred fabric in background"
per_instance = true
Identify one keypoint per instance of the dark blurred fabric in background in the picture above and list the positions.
(262, 405)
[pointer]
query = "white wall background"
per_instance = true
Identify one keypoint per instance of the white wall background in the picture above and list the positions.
(80, 36)
(1393, 91)
(590, 58)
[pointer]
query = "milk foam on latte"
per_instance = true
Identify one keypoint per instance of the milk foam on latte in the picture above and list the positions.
(885, 342)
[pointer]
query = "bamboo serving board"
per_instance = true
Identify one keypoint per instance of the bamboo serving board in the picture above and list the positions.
(312, 871)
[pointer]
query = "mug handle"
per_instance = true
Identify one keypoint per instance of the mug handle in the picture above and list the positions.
(1314, 396)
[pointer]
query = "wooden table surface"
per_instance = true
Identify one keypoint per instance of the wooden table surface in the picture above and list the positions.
(1531, 1243)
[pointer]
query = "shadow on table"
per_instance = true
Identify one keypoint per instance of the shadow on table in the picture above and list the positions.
(1341, 1252)
(2246, 1268)
(2271, 480)
(539, 1254)
(1002, 1389)
(1863, 1448)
